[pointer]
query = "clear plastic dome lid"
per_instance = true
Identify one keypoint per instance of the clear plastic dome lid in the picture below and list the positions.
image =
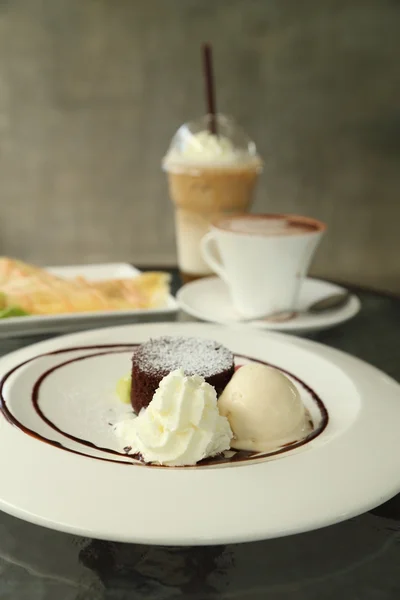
(194, 144)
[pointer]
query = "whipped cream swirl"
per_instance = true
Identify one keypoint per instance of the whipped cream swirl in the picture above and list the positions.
(181, 425)
(205, 148)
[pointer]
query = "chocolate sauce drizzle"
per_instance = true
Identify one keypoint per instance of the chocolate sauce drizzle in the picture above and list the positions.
(233, 456)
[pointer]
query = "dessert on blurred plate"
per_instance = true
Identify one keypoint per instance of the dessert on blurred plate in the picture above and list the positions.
(189, 404)
(29, 290)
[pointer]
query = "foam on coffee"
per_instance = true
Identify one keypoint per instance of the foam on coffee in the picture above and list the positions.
(270, 225)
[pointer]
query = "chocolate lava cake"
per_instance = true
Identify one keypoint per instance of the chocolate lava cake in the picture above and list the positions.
(154, 359)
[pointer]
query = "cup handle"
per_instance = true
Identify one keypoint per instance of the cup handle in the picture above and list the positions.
(207, 245)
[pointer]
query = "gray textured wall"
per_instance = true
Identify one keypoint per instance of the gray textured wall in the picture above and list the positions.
(91, 91)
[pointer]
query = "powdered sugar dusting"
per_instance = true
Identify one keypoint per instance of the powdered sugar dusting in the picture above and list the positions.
(196, 356)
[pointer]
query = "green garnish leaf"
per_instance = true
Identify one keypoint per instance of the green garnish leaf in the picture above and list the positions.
(123, 389)
(12, 311)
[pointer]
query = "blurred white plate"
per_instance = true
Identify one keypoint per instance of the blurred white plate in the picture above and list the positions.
(208, 299)
(33, 325)
(52, 477)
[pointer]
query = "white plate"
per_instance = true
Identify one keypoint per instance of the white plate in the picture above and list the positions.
(19, 326)
(208, 299)
(352, 466)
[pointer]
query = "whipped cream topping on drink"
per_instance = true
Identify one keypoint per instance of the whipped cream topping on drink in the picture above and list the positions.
(206, 149)
(264, 409)
(181, 425)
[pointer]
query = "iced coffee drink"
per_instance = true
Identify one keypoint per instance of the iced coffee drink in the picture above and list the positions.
(209, 176)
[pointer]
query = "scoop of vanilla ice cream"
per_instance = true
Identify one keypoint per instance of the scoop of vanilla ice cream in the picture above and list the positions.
(181, 425)
(264, 409)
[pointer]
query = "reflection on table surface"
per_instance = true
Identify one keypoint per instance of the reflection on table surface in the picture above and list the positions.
(355, 559)
(355, 554)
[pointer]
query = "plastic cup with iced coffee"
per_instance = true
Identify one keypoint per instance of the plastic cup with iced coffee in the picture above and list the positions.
(209, 175)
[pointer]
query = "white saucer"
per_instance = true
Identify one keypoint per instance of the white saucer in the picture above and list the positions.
(52, 477)
(208, 299)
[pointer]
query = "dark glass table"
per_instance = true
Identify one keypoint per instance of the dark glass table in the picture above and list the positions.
(356, 560)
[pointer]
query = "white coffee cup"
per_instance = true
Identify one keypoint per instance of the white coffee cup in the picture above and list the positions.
(264, 259)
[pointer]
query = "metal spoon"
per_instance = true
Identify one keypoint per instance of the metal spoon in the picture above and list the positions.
(332, 302)
(327, 304)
